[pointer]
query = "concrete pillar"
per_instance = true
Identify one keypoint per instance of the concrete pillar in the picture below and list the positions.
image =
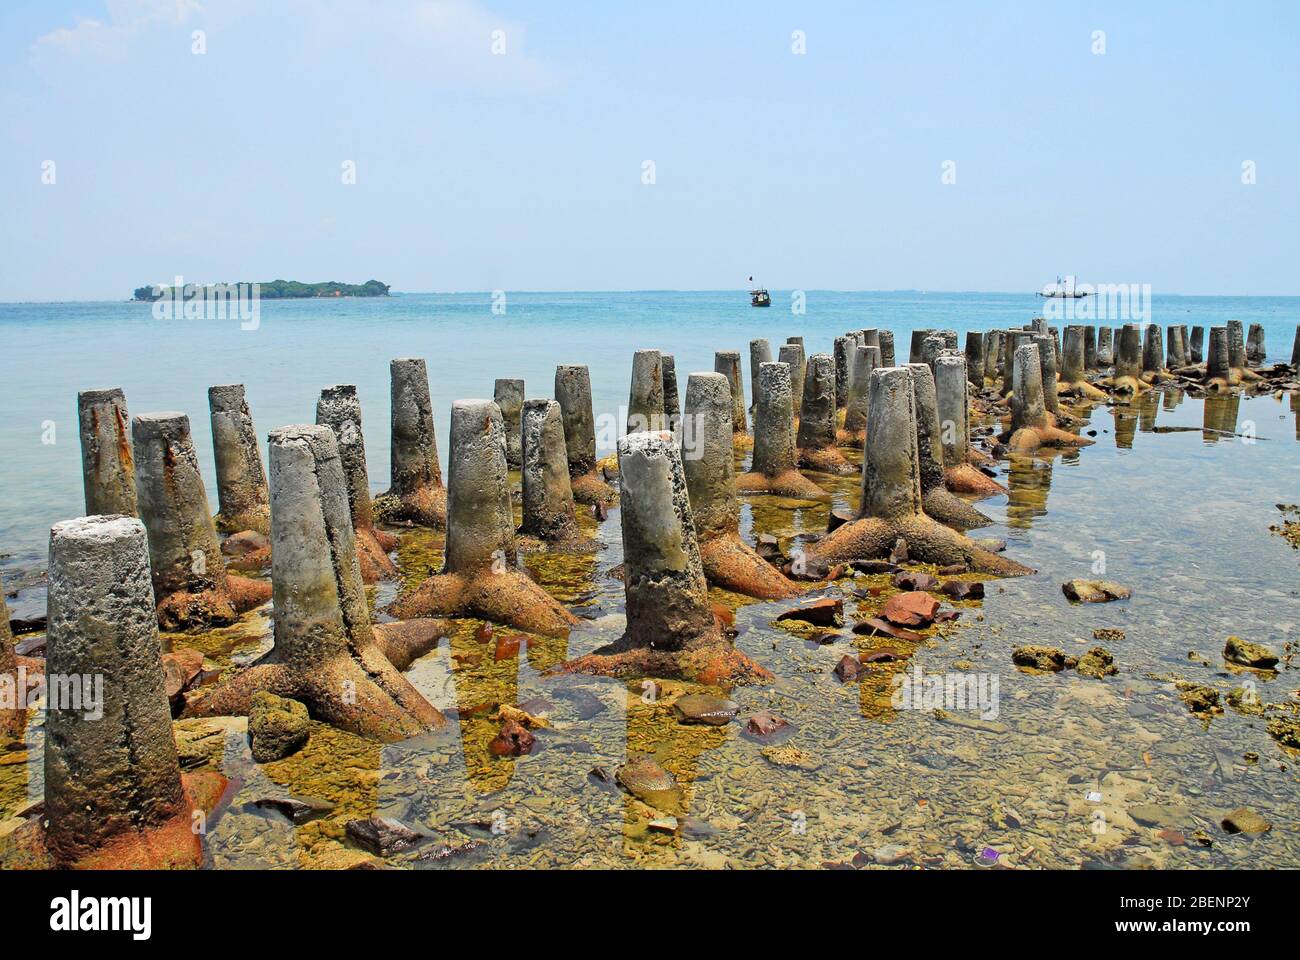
(1089, 347)
(184, 553)
(1074, 353)
(891, 476)
(857, 408)
(917, 353)
(843, 364)
(1027, 406)
(1198, 345)
(1174, 347)
(792, 354)
(509, 396)
(1047, 357)
(1218, 368)
(645, 405)
(774, 437)
(993, 354)
(245, 503)
(480, 522)
(887, 347)
(1295, 349)
(975, 357)
(954, 408)
(727, 363)
(667, 594)
(672, 398)
(1236, 345)
(760, 352)
(416, 494)
(112, 780)
(817, 422)
(548, 497)
(938, 501)
(1153, 351)
(573, 394)
(339, 409)
(1105, 348)
(1256, 352)
(107, 462)
(1128, 358)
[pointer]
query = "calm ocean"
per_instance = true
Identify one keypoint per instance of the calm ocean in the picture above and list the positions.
(53, 350)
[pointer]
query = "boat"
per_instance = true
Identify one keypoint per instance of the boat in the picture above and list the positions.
(1063, 289)
(758, 296)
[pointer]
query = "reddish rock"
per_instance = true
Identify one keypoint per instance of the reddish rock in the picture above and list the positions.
(963, 589)
(882, 655)
(245, 542)
(848, 668)
(514, 740)
(915, 580)
(765, 723)
(484, 633)
(874, 625)
(507, 646)
(828, 612)
(180, 668)
(913, 609)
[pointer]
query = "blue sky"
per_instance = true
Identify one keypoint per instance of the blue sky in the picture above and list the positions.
(523, 171)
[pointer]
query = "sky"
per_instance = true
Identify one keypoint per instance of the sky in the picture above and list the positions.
(629, 146)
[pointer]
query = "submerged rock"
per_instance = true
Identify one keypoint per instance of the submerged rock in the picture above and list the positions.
(514, 740)
(828, 612)
(1042, 658)
(1245, 820)
(383, 836)
(915, 580)
(297, 809)
(705, 709)
(1098, 663)
(848, 668)
(765, 723)
(913, 609)
(1286, 731)
(650, 783)
(277, 726)
(1247, 654)
(788, 756)
(1094, 591)
(1198, 697)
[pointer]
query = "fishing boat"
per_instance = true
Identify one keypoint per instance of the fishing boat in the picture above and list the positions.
(1063, 289)
(758, 296)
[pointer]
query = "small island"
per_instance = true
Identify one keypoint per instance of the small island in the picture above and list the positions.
(284, 290)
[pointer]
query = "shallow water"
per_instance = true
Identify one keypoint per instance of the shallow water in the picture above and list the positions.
(1052, 781)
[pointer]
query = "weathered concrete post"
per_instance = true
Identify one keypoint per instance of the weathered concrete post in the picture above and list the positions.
(1174, 347)
(727, 363)
(325, 653)
(1128, 362)
(709, 465)
(113, 791)
(844, 347)
(107, 463)
(760, 352)
(916, 354)
(1198, 341)
(1030, 426)
(416, 494)
(242, 496)
(891, 493)
(645, 405)
(931, 349)
(887, 347)
(479, 577)
(1105, 348)
(1295, 349)
(1255, 350)
(1073, 379)
(1218, 372)
(1047, 357)
(189, 575)
(339, 409)
(672, 398)
(936, 499)
(817, 429)
(509, 396)
(993, 354)
(573, 393)
(548, 496)
(975, 357)
(774, 467)
(959, 472)
(857, 407)
(792, 354)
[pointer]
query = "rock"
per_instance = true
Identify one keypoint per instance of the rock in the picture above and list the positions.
(971, 723)
(1285, 730)
(872, 567)
(1042, 658)
(1167, 816)
(1108, 634)
(788, 756)
(514, 740)
(650, 783)
(1247, 654)
(899, 552)
(882, 655)
(891, 853)
(383, 836)
(1094, 591)
(663, 825)
(913, 609)
(180, 668)
(277, 726)
(951, 570)
(915, 580)
(873, 625)
(297, 809)
(705, 709)
(838, 517)
(827, 612)
(1245, 820)
(244, 543)
(20, 625)
(1198, 697)
(765, 723)
(769, 548)
(991, 545)
(963, 589)
(1098, 663)
(202, 740)
(693, 828)
(507, 647)
(848, 668)
(520, 716)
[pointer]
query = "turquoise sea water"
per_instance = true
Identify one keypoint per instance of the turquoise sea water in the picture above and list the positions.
(53, 350)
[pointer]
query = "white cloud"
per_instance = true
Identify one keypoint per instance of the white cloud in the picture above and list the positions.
(126, 20)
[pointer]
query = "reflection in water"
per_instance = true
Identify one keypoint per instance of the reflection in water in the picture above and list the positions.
(1220, 417)
(1028, 480)
(1172, 398)
(1295, 408)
